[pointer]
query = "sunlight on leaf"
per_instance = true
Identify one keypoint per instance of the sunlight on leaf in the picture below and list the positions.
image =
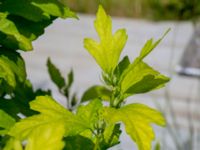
(13, 144)
(12, 70)
(139, 77)
(50, 112)
(108, 50)
(137, 119)
(13, 39)
(48, 137)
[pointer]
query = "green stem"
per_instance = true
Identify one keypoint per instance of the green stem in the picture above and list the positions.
(96, 147)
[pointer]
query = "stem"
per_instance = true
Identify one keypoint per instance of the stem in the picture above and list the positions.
(96, 147)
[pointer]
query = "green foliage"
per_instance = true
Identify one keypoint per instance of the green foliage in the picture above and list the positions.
(96, 91)
(63, 85)
(109, 44)
(12, 70)
(138, 76)
(55, 75)
(36, 14)
(137, 119)
(78, 143)
(56, 119)
(6, 122)
(87, 123)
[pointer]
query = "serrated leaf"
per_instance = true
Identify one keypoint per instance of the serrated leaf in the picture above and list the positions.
(11, 37)
(137, 119)
(55, 74)
(12, 70)
(78, 143)
(6, 122)
(108, 50)
(50, 112)
(53, 123)
(96, 91)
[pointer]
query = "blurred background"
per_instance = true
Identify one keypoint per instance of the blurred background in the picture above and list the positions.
(178, 56)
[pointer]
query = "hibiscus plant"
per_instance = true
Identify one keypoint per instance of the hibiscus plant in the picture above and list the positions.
(34, 120)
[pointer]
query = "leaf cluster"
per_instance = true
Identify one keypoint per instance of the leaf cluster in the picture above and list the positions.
(87, 122)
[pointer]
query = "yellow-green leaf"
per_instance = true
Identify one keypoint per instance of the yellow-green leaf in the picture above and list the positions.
(137, 119)
(13, 144)
(13, 39)
(108, 50)
(141, 78)
(150, 45)
(48, 137)
(12, 70)
(89, 113)
(6, 122)
(50, 113)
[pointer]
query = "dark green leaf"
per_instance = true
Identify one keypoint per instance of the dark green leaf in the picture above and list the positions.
(9, 107)
(12, 70)
(74, 100)
(121, 67)
(140, 78)
(70, 78)
(25, 9)
(10, 36)
(6, 122)
(55, 74)
(123, 64)
(30, 29)
(37, 10)
(78, 143)
(148, 83)
(96, 92)
(24, 93)
(157, 146)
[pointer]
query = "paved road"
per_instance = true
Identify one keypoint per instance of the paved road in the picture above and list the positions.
(63, 42)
